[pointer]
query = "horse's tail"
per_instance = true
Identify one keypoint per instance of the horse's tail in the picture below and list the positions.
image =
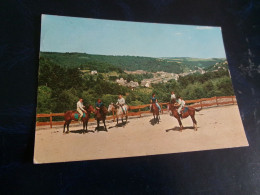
(197, 110)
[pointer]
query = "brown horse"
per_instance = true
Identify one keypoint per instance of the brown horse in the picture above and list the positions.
(101, 115)
(70, 115)
(155, 111)
(190, 112)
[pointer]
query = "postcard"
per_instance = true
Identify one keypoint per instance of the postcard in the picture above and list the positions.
(115, 89)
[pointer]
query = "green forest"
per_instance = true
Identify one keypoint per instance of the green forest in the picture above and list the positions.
(60, 87)
(103, 63)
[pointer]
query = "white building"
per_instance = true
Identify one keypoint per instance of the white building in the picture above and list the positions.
(93, 72)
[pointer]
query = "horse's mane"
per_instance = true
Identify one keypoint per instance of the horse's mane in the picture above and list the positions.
(104, 110)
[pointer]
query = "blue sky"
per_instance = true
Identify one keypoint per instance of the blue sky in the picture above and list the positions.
(110, 37)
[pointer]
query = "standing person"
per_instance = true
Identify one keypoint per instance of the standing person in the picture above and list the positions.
(80, 108)
(154, 100)
(173, 97)
(121, 103)
(181, 103)
(99, 104)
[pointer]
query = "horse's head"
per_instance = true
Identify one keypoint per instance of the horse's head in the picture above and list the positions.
(111, 107)
(90, 108)
(173, 101)
(172, 105)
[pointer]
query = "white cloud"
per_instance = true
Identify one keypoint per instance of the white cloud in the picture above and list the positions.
(204, 27)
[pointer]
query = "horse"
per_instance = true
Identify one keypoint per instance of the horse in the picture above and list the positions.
(155, 111)
(74, 115)
(190, 111)
(101, 115)
(119, 112)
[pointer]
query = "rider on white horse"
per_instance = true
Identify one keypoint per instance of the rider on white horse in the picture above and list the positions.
(121, 103)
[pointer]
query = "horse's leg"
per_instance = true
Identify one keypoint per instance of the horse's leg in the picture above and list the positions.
(158, 118)
(65, 124)
(84, 125)
(122, 118)
(194, 122)
(97, 125)
(104, 121)
(68, 124)
(117, 120)
(180, 123)
(126, 117)
(87, 125)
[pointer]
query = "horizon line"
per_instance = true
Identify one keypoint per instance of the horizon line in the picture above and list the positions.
(135, 56)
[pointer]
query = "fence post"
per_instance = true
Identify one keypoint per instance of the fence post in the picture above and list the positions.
(216, 100)
(200, 103)
(232, 99)
(50, 119)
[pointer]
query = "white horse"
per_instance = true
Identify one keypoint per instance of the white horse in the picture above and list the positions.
(119, 111)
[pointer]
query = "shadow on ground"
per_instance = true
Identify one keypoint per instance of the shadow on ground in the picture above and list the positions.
(119, 125)
(153, 122)
(100, 128)
(178, 128)
(81, 131)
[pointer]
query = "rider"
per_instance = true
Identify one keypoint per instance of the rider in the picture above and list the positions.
(173, 100)
(154, 100)
(80, 108)
(181, 103)
(173, 96)
(121, 103)
(99, 104)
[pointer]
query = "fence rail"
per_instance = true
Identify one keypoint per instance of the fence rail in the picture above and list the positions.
(199, 103)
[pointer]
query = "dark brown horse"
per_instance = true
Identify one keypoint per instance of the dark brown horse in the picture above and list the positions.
(190, 111)
(70, 115)
(101, 115)
(155, 111)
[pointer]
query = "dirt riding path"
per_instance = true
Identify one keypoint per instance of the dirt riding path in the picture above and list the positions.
(218, 127)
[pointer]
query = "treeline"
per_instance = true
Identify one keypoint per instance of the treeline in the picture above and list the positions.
(194, 63)
(104, 63)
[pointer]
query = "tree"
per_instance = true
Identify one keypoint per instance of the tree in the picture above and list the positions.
(224, 86)
(44, 101)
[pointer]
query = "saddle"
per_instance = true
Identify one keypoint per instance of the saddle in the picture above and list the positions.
(185, 109)
(76, 115)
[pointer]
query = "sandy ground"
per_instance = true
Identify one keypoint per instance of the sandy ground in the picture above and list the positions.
(218, 127)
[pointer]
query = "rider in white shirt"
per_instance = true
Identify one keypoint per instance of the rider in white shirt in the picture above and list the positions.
(173, 96)
(80, 108)
(181, 103)
(121, 103)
